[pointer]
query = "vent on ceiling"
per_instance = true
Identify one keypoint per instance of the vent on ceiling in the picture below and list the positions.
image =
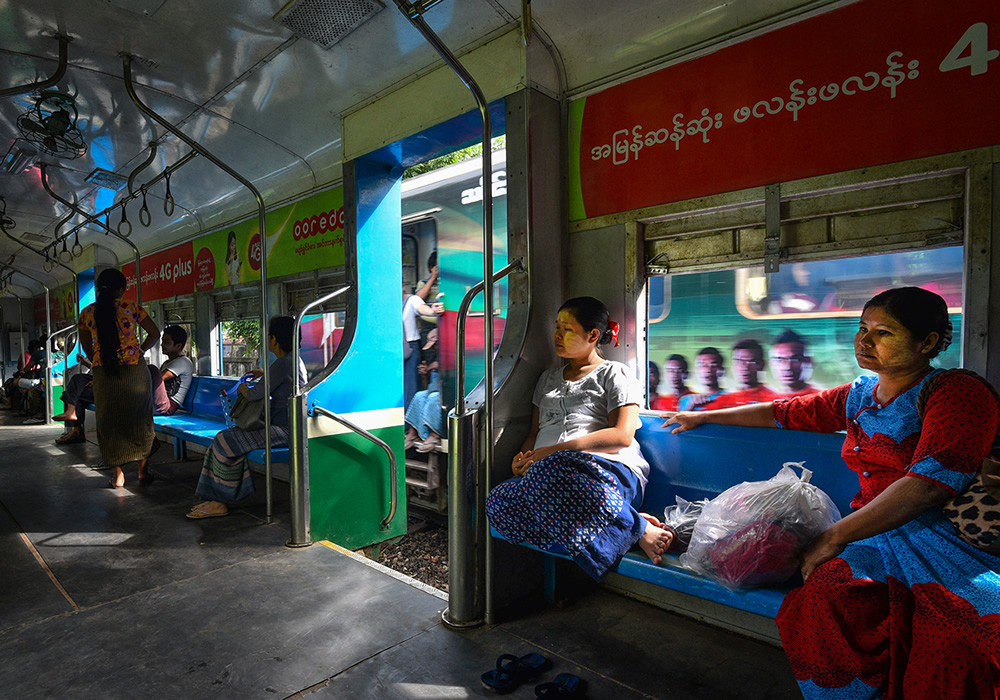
(325, 22)
(34, 237)
(106, 178)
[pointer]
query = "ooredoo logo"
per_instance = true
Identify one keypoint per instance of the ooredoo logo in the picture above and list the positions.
(318, 224)
(204, 266)
(253, 251)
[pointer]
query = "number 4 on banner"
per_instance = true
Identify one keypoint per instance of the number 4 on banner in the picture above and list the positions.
(979, 55)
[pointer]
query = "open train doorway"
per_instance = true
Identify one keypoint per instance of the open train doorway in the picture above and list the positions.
(441, 238)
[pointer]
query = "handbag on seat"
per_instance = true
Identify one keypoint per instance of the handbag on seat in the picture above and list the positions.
(975, 512)
(241, 412)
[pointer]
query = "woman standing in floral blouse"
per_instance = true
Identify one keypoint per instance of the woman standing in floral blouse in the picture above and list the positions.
(109, 336)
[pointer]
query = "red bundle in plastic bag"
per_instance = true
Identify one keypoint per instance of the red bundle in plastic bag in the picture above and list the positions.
(752, 534)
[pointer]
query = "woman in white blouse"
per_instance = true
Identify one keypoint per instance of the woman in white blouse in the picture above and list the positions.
(579, 477)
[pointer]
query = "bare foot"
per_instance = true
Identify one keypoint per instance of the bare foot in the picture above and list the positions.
(651, 519)
(65, 416)
(118, 479)
(655, 541)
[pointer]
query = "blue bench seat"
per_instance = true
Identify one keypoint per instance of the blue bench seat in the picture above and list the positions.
(204, 419)
(701, 464)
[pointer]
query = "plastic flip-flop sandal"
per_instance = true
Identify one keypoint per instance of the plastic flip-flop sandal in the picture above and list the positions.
(512, 670)
(565, 685)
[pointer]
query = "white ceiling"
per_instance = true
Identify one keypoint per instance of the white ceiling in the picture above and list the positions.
(269, 103)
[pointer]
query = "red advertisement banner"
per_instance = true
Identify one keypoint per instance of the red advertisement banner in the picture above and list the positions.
(164, 274)
(874, 82)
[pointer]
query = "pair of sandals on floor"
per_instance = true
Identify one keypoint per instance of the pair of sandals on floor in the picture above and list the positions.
(511, 671)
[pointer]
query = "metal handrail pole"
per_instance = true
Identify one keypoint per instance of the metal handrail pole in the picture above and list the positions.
(298, 429)
(381, 443)
(95, 218)
(298, 322)
(81, 212)
(42, 84)
(463, 313)
(482, 474)
(39, 254)
(50, 349)
(262, 226)
(139, 168)
(20, 325)
(48, 356)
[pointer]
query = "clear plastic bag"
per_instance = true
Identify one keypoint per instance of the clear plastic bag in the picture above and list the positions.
(680, 520)
(752, 534)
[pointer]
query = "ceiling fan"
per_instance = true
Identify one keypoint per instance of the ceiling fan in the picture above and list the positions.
(51, 125)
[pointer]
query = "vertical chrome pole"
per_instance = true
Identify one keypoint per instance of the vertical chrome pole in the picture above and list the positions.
(474, 610)
(262, 230)
(48, 358)
(20, 323)
(298, 475)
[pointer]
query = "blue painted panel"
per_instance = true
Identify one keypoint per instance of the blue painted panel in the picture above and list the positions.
(87, 295)
(669, 574)
(370, 377)
(762, 601)
(459, 132)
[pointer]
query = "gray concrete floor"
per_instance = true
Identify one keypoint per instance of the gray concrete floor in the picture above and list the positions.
(114, 594)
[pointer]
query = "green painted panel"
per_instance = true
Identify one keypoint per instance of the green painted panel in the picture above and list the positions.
(577, 208)
(348, 493)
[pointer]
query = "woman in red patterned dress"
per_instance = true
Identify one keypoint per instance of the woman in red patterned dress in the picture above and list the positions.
(894, 605)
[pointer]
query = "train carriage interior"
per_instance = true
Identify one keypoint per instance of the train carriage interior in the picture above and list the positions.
(733, 180)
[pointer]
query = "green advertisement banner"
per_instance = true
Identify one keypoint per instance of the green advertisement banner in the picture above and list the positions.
(304, 236)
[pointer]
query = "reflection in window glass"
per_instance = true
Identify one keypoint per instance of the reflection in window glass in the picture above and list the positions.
(320, 335)
(737, 337)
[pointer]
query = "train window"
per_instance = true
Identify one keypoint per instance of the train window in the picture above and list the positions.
(320, 335)
(239, 350)
(841, 287)
(321, 332)
(239, 335)
(741, 333)
(180, 311)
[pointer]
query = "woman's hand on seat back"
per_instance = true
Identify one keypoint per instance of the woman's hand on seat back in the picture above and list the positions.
(684, 420)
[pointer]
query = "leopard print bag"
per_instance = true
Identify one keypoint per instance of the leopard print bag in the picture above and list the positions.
(975, 512)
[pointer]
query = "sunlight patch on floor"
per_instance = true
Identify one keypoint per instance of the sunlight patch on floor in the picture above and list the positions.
(88, 471)
(427, 690)
(79, 539)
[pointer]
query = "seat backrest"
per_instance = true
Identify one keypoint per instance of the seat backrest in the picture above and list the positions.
(204, 395)
(704, 462)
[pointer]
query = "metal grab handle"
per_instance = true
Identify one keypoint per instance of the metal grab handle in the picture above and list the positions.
(392, 459)
(168, 198)
(145, 218)
(295, 333)
(463, 314)
(124, 222)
